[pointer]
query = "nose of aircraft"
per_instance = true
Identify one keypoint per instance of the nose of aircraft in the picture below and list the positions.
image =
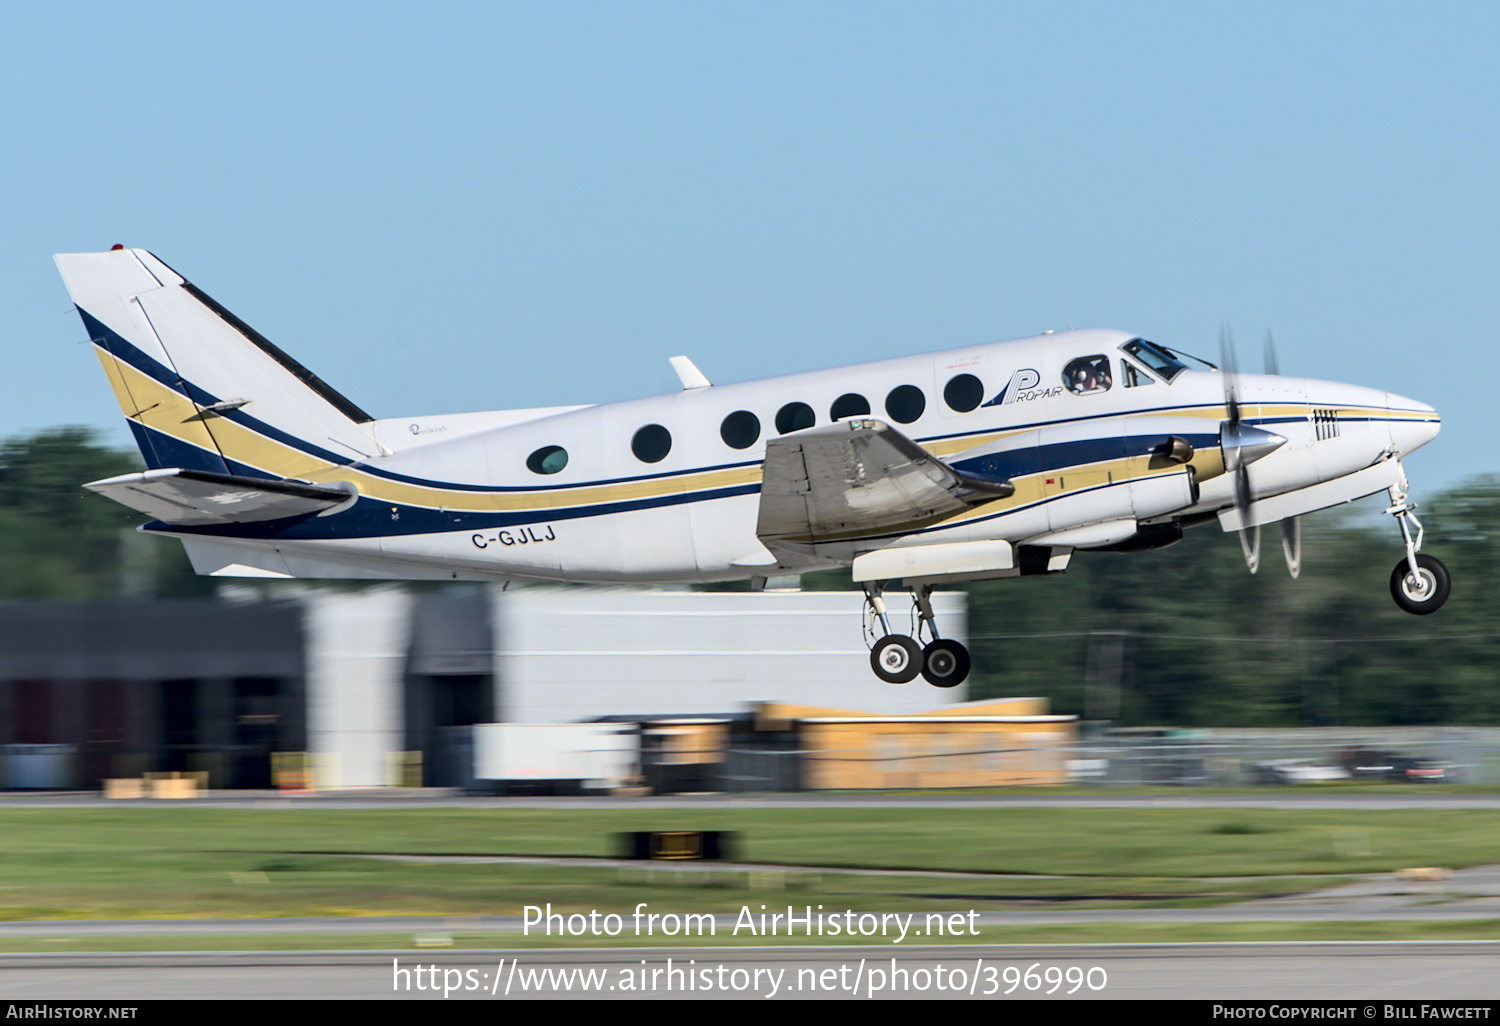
(1413, 424)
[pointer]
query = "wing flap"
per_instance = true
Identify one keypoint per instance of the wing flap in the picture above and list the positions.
(198, 498)
(859, 476)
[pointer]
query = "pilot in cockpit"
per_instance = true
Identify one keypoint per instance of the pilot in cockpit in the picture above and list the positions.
(1088, 375)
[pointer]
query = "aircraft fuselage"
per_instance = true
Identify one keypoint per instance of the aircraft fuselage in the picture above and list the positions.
(457, 499)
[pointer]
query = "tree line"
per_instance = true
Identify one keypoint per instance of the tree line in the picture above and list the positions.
(1187, 636)
(58, 541)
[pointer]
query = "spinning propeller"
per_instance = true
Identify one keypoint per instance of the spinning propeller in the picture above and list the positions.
(1291, 527)
(1243, 444)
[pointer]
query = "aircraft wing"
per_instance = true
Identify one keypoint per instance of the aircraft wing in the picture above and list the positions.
(859, 476)
(198, 498)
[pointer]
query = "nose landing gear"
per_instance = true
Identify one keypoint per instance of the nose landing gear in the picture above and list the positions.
(898, 658)
(1419, 583)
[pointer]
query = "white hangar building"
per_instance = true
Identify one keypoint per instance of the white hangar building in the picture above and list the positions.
(353, 677)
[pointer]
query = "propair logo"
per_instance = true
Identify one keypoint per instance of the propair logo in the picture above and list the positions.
(1022, 388)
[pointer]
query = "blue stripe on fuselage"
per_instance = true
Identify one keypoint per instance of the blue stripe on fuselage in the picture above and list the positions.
(1008, 465)
(374, 518)
(162, 450)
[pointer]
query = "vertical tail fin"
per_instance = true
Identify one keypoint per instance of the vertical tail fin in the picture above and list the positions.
(201, 389)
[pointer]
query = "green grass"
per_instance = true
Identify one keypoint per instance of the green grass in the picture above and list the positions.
(1159, 841)
(134, 862)
(174, 885)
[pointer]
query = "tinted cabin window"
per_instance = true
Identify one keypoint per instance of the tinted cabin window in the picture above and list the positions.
(740, 430)
(651, 443)
(1088, 375)
(963, 393)
(1135, 376)
(547, 460)
(905, 403)
(850, 404)
(794, 417)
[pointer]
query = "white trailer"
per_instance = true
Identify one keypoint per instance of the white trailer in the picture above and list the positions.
(555, 758)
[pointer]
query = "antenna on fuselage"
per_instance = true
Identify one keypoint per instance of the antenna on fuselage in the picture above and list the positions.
(689, 374)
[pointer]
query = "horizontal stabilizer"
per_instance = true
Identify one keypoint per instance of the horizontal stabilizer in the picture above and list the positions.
(200, 498)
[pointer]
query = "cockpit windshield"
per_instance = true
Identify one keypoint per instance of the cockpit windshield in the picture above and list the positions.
(1158, 358)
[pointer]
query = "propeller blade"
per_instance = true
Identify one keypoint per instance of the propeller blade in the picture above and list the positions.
(1232, 438)
(1250, 545)
(1226, 347)
(1242, 494)
(1243, 444)
(1231, 374)
(1250, 536)
(1291, 527)
(1291, 545)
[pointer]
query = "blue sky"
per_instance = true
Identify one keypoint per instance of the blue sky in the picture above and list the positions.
(460, 206)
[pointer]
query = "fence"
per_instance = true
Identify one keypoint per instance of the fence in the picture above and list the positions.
(1202, 759)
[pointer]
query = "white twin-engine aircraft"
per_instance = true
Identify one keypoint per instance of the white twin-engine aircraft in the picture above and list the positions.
(994, 460)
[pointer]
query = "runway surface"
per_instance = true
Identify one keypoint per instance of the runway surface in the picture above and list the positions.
(1362, 974)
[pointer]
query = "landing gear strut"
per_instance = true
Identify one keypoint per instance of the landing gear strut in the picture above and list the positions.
(898, 658)
(1419, 583)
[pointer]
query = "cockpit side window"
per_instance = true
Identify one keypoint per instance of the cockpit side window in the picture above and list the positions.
(1088, 375)
(1134, 376)
(1157, 359)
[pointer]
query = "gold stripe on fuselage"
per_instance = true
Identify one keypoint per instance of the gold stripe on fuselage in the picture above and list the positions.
(163, 409)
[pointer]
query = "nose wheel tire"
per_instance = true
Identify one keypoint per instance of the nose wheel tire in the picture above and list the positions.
(896, 659)
(945, 663)
(1422, 592)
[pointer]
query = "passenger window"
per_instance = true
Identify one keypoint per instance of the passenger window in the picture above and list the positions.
(794, 417)
(905, 403)
(651, 443)
(1088, 375)
(963, 393)
(1135, 376)
(740, 430)
(850, 404)
(549, 459)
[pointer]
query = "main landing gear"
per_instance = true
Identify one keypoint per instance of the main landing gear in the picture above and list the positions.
(897, 658)
(1419, 583)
